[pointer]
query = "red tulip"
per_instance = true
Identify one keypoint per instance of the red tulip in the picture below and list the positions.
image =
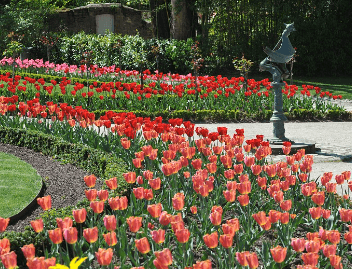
(70, 235)
(110, 222)
(45, 202)
(79, 215)
(260, 217)
(91, 194)
(164, 257)
(285, 217)
(104, 256)
(256, 169)
(286, 205)
(4, 246)
(130, 177)
(28, 251)
(333, 236)
(335, 261)
(164, 218)
(97, 206)
(148, 194)
(3, 224)
(330, 187)
(134, 223)
(244, 187)
(211, 240)
(230, 195)
(298, 244)
(55, 235)
(278, 253)
(252, 260)
(91, 234)
(193, 209)
(243, 199)
(37, 225)
(64, 223)
(182, 235)
(318, 198)
(142, 245)
(155, 210)
(329, 250)
(9, 260)
(315, 212)
(118, 203)
(241, 257)
(158, 236)
(111, 183)
(138, 193)
(110, 239)
(238, 168)
(155, 183)
(103, 195)
(310, 258)
(178, 201)
(201, 265)
(197, 164)
(90, 180)
(312, 246)
(226, 240)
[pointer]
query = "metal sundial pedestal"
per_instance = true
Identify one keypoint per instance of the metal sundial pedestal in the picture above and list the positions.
(275, 63)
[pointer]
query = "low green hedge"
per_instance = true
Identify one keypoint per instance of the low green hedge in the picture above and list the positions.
(239, 116)
(103, 165)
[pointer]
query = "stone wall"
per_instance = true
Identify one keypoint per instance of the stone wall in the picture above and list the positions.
(125, 20)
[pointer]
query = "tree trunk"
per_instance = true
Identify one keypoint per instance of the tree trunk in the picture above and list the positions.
(160, 18)
(181, 26)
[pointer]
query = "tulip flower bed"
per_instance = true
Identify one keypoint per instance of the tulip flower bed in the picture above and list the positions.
(197, 199)
(129, 90)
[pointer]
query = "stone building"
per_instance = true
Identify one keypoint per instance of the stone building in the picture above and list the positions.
(97, 18)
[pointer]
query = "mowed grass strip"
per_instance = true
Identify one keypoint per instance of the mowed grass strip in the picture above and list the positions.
(19, 184)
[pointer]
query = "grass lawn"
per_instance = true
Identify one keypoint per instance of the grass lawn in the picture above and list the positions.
(19, 184)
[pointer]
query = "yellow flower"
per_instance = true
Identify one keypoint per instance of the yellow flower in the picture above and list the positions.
(74, 264)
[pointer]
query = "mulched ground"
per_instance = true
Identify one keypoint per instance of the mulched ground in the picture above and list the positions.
(64, 182)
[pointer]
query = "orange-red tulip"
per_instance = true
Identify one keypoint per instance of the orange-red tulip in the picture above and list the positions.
(298, 244)
(110, 238)
(348, 237)
(130, 177)
(238, 168)
(226, 240)
(315, 212)
(310, 258)
(91, 194)
(178, 201)
(285, 217)
(318, 198)
(230, 195)
(182, 235)
(330, 187)
(260, 217)
(67, 222)
(55, 235)
(3, 224)
(97, 206)
(148, 194)
(158, 236)
(278, 253)
(201, 265)
(244, 187)
(164, 218)
(134, 223)
(70, 235)
(9, 260)
(103, 195)
(164, 257)
(211, 240)
(104, 256)
(197, 164)
(193, 209)
(229, 174)
(312, 246)
(4, 246)
(28, 251)
(345, 214)
(333, 236)
(335, 261)
(37, 225)
(256, 169)
(111, 183)
(90, 181)
(155, 183)
(243, 199)
(252, 260)
(229, 229)
(125, 143)
(329, 250)
(79, 215)
(142, 245)
(44, 202)
(138, 193)
(262, 181)
(155, 210)
(241, 257)
(110, 222)
(91, 234)
(286, 205)
(326, 213)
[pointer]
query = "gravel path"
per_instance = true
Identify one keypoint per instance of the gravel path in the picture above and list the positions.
(64, 182)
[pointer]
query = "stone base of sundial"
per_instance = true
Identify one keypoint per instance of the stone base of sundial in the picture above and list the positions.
(277, 148)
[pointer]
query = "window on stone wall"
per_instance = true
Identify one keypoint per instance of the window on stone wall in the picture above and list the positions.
(104, 22)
